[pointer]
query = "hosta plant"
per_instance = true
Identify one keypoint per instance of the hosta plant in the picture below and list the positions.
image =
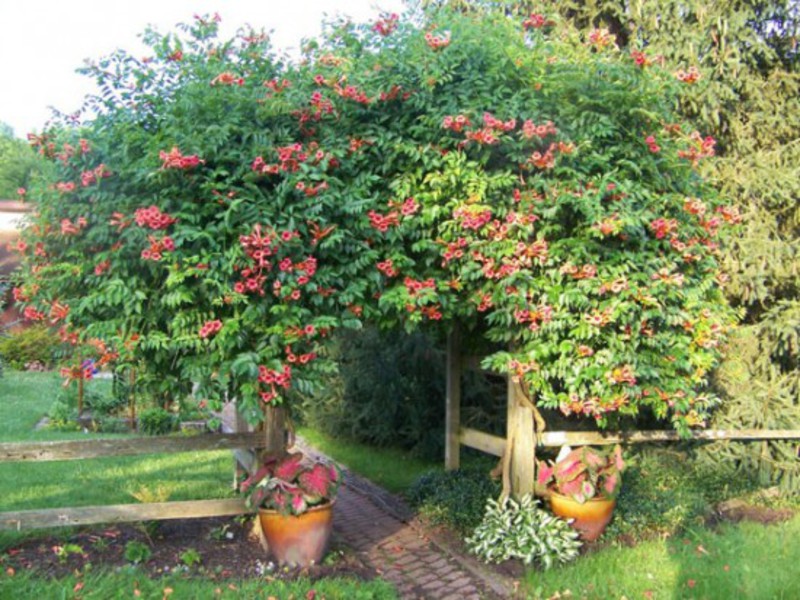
(291, 485)
(583, 474)
(521, 530)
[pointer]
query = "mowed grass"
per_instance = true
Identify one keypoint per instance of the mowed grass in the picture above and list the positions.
(132, 584)
(26, 397)
(391, 468)
(746, 560)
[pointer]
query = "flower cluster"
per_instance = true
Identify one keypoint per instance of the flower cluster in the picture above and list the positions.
(227, 78)
(153, 218)
(273, 379)
(157, 247)
(91, 177)
(690, 76)
(70, 228)
(210, 328)
(699, 147)
(437, 42)
(174, 159)
(386, 25)
(536, 21)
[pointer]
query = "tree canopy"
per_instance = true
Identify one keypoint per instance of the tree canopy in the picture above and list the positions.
(226, 211)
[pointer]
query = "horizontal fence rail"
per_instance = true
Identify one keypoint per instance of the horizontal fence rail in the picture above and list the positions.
(125, 513)
(120, 513)
(81, 449)
(495, 445)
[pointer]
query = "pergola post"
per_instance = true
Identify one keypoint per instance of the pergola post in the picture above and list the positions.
(274, 428)
(520, 434)
(452, 448)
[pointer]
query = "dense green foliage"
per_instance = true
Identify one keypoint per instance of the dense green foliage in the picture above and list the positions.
(157, 421)
(747, 95)
(666, 492)
(32, 344)
(225, 213)
(388, 391)
(19, 165)
(454, 498)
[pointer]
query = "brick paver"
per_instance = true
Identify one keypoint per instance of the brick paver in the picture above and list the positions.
(381, 530)
(405, 554)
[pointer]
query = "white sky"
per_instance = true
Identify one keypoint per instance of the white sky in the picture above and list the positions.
(42, 42)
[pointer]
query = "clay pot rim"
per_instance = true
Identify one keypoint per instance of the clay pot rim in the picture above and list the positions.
(315, 508)
(596, 499)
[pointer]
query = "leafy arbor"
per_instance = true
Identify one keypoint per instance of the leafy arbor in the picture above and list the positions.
(226, 212)
(746, 93)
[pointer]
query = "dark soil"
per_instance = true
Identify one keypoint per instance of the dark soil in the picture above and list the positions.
(227, 548)
(735, 511)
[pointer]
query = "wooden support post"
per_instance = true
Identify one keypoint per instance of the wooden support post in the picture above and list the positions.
(521, 435)
(80, 396)
(452, 447)
(132, 398)
(274, 431)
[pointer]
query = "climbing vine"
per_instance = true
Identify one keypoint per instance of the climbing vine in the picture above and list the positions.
(225, 211)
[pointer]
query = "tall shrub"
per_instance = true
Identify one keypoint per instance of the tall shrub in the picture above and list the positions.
(739, 65)
(225, 212)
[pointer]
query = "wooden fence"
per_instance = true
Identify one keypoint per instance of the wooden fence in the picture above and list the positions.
(22, 452)
(525, 429)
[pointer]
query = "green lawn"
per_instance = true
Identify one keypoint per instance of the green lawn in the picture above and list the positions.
(390, 468)
(747, 560)
(26, 397)
(107, 586)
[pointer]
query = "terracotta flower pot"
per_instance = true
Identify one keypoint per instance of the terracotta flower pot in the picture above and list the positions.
(298, 540)
(589, 519)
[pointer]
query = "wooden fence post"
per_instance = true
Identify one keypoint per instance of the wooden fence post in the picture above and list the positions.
(521, 435)
(452, 447)
(274, 431)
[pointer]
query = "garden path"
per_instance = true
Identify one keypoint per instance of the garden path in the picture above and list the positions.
(417, 559)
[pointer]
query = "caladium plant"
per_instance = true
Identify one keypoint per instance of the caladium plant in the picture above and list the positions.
(583, 474)
(291, 485)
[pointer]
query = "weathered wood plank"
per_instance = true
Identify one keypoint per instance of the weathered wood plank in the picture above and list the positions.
(585, 438)
(246, 461)
(275, 432)
(96, 448)
(120, 513)
(494, 445)
(523, 449)
(485, 442)
(452, 448)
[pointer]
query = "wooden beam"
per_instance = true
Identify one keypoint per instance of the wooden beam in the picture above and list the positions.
(520, 428)
(494, 444)
(452, 447)
(485, 442)
(96, 448)
(596, 438)
(120, 513)
(274, 432)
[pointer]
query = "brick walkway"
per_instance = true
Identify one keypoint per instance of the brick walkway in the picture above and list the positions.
(383, 533)
(387, 538)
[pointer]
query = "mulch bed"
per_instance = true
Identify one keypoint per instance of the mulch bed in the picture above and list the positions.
(228, 549)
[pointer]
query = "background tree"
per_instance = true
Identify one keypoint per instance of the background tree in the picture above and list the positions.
(18, 163)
